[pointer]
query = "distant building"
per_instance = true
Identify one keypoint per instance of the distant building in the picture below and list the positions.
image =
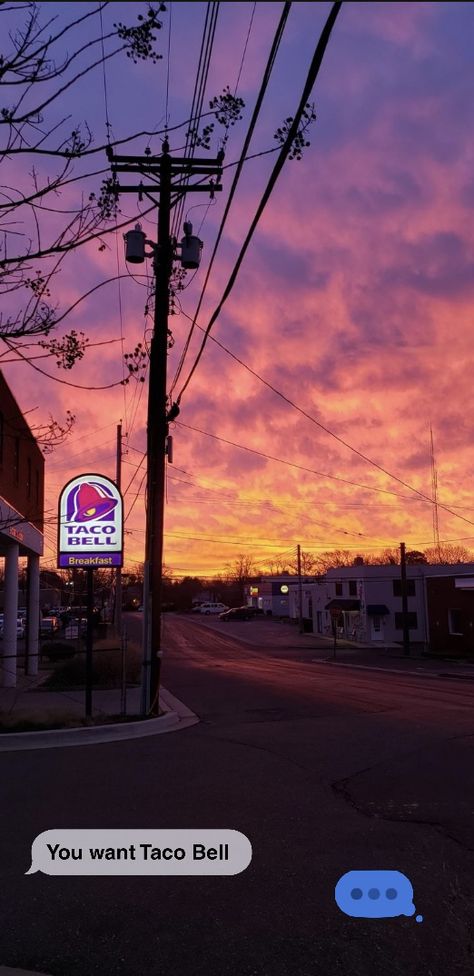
(314, 598)
(369, 601)
(450, 611)
(366, 604)
(272, 594)
(21, 527)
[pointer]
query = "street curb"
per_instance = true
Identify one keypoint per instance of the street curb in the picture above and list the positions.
(418, 673)
(8, 971)
(177, 717)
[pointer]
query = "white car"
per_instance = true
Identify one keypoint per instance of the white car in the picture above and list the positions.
(208, 608)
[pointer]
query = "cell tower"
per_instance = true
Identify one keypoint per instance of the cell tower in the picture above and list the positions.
(434, 496)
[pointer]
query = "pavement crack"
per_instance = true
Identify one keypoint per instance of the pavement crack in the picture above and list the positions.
(341, 790)
(264, 749)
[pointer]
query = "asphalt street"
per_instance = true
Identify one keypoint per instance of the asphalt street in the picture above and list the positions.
(325, 770)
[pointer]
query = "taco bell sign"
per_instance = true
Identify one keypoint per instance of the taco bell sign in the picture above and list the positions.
(90, 523)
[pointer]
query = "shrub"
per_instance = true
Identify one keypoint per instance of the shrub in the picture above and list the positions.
(107, 668)
(58, 650)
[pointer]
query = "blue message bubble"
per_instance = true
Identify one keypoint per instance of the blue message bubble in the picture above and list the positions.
(375, 894)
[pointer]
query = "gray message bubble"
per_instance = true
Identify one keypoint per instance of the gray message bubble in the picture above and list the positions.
(140, 851)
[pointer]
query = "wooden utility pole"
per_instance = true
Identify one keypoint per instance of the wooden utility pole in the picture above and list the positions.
(403, 579)
(300, 589)
(168, 177)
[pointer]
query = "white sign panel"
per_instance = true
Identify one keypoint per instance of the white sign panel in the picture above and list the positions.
(90, 523)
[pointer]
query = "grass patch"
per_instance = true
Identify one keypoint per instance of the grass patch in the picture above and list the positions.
(48, 721)
(106, 671)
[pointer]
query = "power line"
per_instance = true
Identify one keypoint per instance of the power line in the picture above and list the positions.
(256, 112)
(244, 52)
(132, 506)
(271, 507)
(422, 496)
(290, 464)
(168, 66)
(282, 157)
(207, 42)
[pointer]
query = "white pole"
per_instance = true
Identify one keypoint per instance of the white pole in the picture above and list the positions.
(33, 612)
(9, 648)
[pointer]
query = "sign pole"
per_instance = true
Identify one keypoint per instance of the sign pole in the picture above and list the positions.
(90, 536)
(89, 640)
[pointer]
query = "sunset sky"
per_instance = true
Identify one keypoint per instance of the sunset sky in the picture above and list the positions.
(354, 299)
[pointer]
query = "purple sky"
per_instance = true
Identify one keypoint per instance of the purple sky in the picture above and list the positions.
(354, 300)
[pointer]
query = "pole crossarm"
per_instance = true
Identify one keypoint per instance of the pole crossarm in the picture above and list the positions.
(177, 166)
(154, 187)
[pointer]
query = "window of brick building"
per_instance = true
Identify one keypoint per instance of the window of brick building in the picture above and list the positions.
(338, 589)
(456, 622)
(352, 588)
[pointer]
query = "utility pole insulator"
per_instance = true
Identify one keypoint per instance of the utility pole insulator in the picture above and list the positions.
(169, 448)
(173, 412)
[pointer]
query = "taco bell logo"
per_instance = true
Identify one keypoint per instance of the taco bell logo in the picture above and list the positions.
(90, 523)
(89, 501)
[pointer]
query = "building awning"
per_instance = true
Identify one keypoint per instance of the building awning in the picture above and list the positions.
(341, 604)
(377, 610)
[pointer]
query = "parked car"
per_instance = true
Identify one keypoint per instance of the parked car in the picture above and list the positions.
(238, 613)
(20, 628)
(49, 626)
(208, 608)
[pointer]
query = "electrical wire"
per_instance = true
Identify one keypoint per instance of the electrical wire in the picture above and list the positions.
(422, 496)
(132, 506)
(313, 72)
(253, 121)
(244, 52)
(108, 126)
(167, 116)
(207, 42)
(290, 464)
(276, 510)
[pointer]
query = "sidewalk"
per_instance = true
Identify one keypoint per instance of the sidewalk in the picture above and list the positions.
(33, 717)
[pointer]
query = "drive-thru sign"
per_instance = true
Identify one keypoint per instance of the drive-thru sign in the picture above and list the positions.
(90, 524)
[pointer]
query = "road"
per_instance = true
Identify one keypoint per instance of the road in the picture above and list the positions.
(326, 770)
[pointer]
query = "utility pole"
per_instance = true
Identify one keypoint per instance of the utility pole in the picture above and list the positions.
(118, 571)
(403, 578)
(162, 172)
(300, 589)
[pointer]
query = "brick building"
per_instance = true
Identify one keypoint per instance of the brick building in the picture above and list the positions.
(21, 527)
(450, 611)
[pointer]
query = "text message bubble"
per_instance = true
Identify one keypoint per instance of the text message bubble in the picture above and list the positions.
(140, 851)
(375, 894)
